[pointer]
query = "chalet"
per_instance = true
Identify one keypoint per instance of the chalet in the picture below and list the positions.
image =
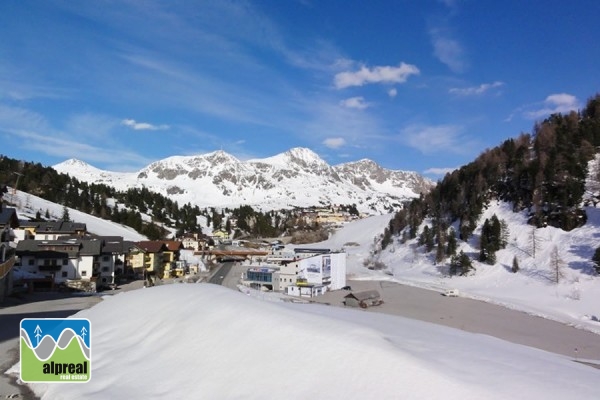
(26, 230)
(70, 258)
(191, 242)
(49, 230)
(146, 257)
(62, 259)
(8, 222)
(112, 263)
(170, 258)
(220, 235)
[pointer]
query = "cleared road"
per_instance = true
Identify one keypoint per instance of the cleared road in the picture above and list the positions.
(475, 316)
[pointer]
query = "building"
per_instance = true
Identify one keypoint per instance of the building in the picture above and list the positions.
(170, 259)
(59, 260)
(328, 270)
(262, 278)
(146, 258)
(8, 222)
(113, 261)
(52, 230)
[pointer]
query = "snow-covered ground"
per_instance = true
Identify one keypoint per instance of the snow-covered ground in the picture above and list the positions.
(28, 205)
(206, 341)
(574, 300)
(200, 340)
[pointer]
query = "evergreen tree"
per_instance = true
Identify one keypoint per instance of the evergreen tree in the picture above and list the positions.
(439, 253)
(451, 245)
(515, 265)
(65, 215)
(465, 263)
(596, 260)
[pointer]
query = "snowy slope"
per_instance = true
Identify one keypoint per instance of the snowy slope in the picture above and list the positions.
(574, 300)
(28, 205)
(205, 341)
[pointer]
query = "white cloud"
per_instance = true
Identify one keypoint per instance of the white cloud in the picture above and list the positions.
(334, 143)
(392, 92)
(67, 147)
(355, 102)
(555, 103)
(448, 50)
(438, 171)
(143, 126)
(382, 74)
(476, 90)
(436, 138)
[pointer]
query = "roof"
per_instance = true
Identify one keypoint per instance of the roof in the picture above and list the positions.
(366, 295)
(308, 250)
(151, 246)
(112, 244)
(60, 226)
(173, 245)
(31, 247)
(8, 216)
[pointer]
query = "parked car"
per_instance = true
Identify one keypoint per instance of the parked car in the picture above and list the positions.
(451, 293)
(346, 288)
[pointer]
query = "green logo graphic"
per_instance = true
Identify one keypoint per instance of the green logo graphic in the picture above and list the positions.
(56, 350)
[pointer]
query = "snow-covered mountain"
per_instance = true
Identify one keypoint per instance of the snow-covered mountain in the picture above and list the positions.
(298, 177)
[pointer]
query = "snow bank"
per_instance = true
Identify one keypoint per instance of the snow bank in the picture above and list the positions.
(205, 341)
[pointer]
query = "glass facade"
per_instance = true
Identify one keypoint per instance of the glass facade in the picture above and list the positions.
(259, 276)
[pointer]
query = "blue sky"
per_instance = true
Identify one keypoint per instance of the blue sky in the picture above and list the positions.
(420, 85)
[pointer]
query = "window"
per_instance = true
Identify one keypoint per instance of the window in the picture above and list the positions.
(83, 273)
(65, 261)
(31, 261)
(105, 258)
(64, 274)
(105, 269)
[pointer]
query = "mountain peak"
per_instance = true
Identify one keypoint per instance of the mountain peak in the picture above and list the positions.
(304, 157)
(298, 177)
(73, 163)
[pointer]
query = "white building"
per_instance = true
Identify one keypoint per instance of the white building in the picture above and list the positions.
(320, 273)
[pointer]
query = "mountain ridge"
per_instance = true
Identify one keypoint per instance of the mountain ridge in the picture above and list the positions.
(295, 178)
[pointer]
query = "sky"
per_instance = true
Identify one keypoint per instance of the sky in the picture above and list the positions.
(424, 86)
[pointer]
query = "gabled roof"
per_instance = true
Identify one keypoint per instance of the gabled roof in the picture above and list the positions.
(25, 223)
(8, 216)
(151, 246)
(173, 245)
(60, 227)
(71, 247)
(113, 244)
(366, 295)
(91, 247)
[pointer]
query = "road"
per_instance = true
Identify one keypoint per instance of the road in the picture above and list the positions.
(229, 274)
(219, 276)
(458, 312)
(475, 316)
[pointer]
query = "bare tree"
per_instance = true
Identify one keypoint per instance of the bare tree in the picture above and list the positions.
(556, 266)
(535, 241)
